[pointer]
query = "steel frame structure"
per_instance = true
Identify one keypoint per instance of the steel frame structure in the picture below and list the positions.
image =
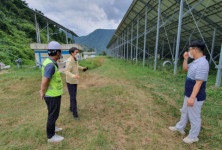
(47, 26)
(166, 27)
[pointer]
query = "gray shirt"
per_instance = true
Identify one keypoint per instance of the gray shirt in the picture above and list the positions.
(198, 69)
(50, 69)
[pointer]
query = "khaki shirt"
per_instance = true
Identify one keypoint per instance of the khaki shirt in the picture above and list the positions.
(71, 70)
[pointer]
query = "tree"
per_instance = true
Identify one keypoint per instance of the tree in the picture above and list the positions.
(91, 50)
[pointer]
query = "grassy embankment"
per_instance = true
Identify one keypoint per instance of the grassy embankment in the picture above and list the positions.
(121, 106)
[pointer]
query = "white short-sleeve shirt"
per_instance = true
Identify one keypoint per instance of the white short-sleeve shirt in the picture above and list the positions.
(198, 69)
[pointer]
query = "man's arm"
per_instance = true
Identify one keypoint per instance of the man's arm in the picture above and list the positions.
(44, 86)
(81, 68)
(185, 65)
(195, 91)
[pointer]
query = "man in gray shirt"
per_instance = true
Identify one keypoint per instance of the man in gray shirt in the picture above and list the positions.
(195, 94)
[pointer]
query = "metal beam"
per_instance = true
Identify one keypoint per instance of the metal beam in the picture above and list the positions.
(212, 46)
(154, 27)
(51, 21)
(144, 3)
(124, 49)
(132, 41)
(205, 18)
(178, 36)
(157, 34)
(219, 72)
(37, 30)
(48, 32)
(127, 42)
(144, 46)
(162, 48)
(67, 38)
(191, 9)
(137, 39)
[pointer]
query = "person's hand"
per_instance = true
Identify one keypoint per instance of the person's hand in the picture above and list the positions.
(85, 69)
(190, 101)
(76, 77)
(186, 55)
(42, 94)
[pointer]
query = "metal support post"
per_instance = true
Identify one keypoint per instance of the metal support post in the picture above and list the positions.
(73, 39)
(37, 30)
(127, 42)
(134, 52)
(157, 35)
(162, 49)
(174, 47)
(219, 72)
(144, 44)
(137, 39)
(67, 37)
(122, 46)
(178, 36)
(132, 41)
(212, 46)
(118, 46)
(148, 55)
(124, 41)
(48, 32)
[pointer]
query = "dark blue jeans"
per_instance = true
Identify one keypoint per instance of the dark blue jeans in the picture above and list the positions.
(53, 105)
(73, 103)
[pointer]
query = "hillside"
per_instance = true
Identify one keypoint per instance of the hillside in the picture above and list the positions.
(17, 31)
(98, 39)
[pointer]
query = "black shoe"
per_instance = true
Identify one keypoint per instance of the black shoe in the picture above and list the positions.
(76, 116)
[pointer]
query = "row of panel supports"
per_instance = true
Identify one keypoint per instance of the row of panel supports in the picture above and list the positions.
(38, 39)
(120, 48)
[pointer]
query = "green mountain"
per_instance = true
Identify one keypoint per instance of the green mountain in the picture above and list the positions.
(17, 31)
(97, 40)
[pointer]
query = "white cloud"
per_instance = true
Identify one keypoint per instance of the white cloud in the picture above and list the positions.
(83, 16)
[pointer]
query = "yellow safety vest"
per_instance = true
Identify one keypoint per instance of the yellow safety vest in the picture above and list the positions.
(55, 87)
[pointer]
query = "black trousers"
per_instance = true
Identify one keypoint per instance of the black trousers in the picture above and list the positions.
(73, 103)
(53, 105)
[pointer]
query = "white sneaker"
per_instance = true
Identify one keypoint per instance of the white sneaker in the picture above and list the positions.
(175, 129)
(58, 129)
(190, 140)
(56, 138)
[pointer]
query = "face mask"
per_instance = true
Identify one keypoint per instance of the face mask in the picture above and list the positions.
(190, 55)
(60, 56)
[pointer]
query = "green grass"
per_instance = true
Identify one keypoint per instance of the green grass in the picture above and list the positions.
(91, 63)
(121, 106)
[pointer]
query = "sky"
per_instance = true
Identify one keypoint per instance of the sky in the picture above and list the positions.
(83, 16)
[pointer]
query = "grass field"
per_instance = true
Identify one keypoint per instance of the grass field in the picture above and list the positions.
(121, 106)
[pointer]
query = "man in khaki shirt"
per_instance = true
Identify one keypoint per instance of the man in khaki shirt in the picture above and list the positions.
(72, 79)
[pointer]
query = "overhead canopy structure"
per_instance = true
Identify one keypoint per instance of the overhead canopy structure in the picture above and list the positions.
(152, 28)
(52, 22)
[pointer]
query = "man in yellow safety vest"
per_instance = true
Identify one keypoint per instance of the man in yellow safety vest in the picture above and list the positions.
(52, 89)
